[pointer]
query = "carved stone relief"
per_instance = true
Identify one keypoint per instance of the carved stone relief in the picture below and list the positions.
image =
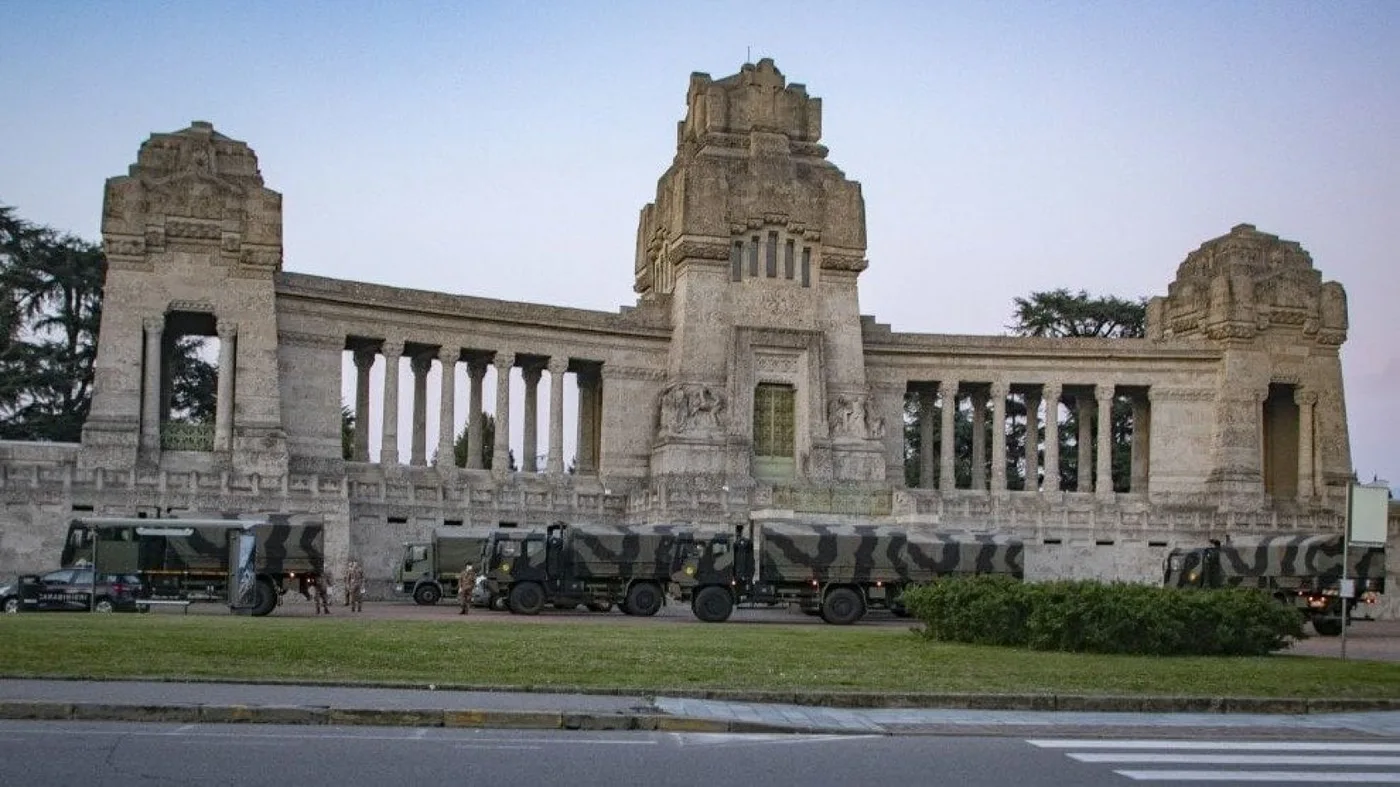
(692, 409)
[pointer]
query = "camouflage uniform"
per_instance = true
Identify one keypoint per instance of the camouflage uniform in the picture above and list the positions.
(355, 586)
(321, 593)
(465, 582)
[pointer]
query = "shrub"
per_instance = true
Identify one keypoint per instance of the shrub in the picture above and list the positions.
(1096, 617)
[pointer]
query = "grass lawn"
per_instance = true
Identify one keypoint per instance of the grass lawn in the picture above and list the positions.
(640, 659)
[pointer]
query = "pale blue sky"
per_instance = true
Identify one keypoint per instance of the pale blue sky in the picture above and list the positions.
(504, 149)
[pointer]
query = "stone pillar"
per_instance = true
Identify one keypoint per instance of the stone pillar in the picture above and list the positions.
(1033, 441)
(151, 387)
(223, 414)
(947, 471)
(531, 375)
(554, 464)
(420, 366)
(389, 431)
(500, 456)
(476, 372)
(588, 395)
(448, 357)
(1104, 394)
(1306, 401)
(1142, 440)
(999, 392)
(364, 359)
(927, 392)
(979, 439)
(1084, 409)
(1052, 393)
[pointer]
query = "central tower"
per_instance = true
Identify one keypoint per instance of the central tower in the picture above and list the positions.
(756, 242)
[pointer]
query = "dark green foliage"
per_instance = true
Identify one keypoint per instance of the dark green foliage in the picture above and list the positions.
(461, 447)
(1094, 617)
(347, 432)
(1060, 313)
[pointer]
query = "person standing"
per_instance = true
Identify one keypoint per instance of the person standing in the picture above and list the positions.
(355, 586)
(466, 580)
(321, 593)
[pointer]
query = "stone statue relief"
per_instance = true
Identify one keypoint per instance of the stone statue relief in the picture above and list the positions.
(852, 415)
(691, 408)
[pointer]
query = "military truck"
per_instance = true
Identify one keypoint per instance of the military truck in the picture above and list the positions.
(244, 560)
(1303, 571)
(583, 564)
(429, 569)
(836, 571)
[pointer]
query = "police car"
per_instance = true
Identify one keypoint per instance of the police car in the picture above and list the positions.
(70, 590)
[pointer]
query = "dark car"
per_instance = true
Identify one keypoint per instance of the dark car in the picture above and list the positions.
(70, 590)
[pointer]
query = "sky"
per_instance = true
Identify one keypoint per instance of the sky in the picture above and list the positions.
(505, 149)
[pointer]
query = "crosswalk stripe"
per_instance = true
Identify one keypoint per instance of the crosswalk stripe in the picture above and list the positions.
(1314, 777)
(1327, 746)
(1234, 759)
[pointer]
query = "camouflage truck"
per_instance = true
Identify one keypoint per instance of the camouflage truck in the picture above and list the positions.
(593, 565)
(244, 560)
(1303, 571)
(429, 569)
(836, 571)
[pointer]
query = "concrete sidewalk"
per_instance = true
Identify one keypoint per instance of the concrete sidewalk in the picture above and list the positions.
(736, 712)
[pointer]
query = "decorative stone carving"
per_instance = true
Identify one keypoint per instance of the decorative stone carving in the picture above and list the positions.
(854, 415)
(203, 307)
(692, 408)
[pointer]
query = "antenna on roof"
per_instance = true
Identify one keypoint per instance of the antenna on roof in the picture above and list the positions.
(748, 54)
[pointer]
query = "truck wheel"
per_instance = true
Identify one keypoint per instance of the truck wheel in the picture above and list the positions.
(645, 599)
(527, 598)
(842, 607)
(426, 595)
(1327, 627)
(712, 604)
(264, 598)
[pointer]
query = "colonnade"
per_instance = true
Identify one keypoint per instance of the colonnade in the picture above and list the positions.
(478, 364)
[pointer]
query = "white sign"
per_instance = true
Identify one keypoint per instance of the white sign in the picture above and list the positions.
(1348, 588)
(1369, 506)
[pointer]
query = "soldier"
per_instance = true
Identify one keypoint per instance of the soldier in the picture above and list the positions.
(355, 586)
(321, 593)
(465, 582)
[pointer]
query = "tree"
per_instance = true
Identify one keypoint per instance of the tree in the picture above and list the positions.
(1060, 313)
(49, 316)
(461, 447)
(347, 432)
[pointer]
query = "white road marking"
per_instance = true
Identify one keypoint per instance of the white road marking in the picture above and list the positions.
(1236, 759)
(1275, 777)
(1309, 745)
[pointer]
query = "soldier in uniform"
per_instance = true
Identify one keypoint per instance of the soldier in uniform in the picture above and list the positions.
(321, 593)
(466, 580)
(355, 586)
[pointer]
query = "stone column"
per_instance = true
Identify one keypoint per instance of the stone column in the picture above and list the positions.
(1142, 431)
(588, 395)
(389, 431)
(448, 357)
(531, 375)
(1104, 394)
(420, 366)
(1306, 401)
(1033, 441)
(1084, 409)
(1052, 393)
(927, 392)
(151, 388)
(476, 372)
(364, 359)
(947, 472)
(500, 456)
(223, 414)
(554, 464)
(999, 392)
(979, 439)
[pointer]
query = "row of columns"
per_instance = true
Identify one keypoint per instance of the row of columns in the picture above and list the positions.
(155, 407)
(476, 374)
(1098, 407)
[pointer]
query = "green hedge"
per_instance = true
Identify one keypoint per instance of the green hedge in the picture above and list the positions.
(1094, 617)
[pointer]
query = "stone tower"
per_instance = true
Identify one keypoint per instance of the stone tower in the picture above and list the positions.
(755, 241)
(194, 243)
(1280, 416)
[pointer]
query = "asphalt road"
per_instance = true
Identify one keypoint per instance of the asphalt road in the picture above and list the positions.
(98, 754)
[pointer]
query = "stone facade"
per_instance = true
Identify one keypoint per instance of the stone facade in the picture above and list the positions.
(744, 383)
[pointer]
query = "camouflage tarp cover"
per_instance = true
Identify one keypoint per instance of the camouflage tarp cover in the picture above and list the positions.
(605, 551)
(874, 553)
